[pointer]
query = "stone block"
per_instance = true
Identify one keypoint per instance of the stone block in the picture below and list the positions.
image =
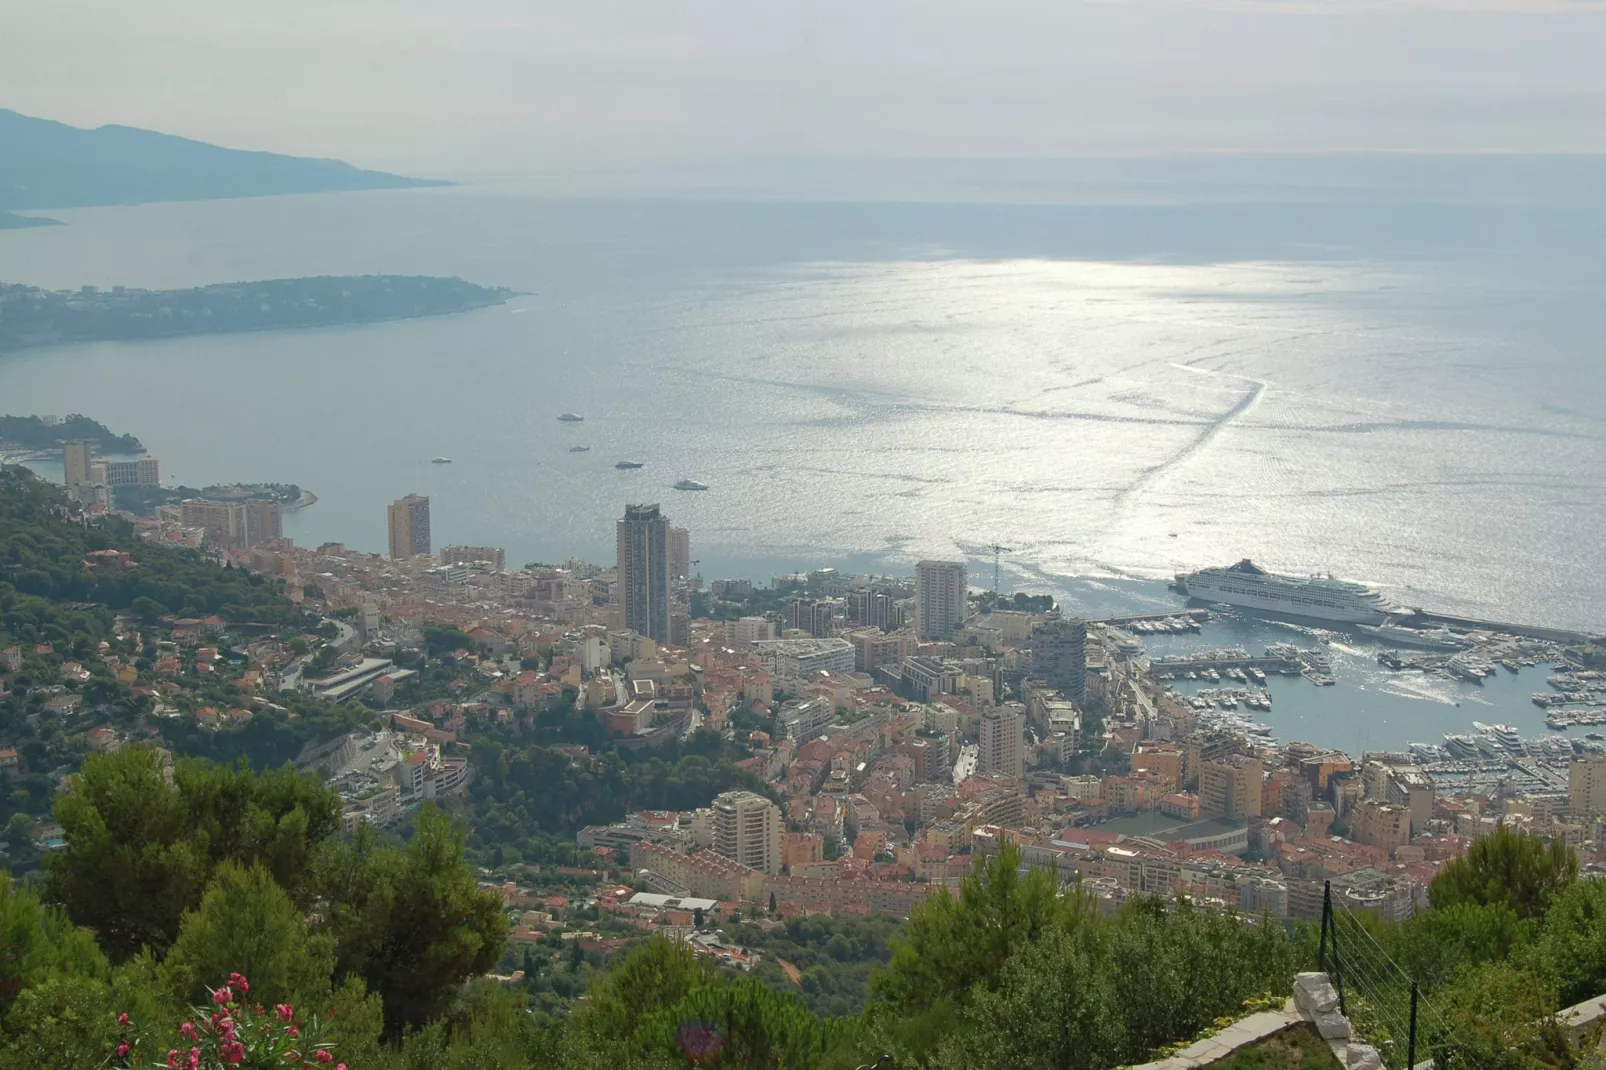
(1363, 1057)
(1332, 1026)
(1317, 1000)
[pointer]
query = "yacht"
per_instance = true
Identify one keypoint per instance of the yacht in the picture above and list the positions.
(1460, 746)
(689, 484)
(440, 460)
(630, 464)
(1317, 597)
(570, 417)
(579, 449)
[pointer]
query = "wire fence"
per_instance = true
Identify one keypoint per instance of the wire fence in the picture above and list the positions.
(1383, 1002)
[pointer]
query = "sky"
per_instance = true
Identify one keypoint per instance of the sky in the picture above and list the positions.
(472, 89)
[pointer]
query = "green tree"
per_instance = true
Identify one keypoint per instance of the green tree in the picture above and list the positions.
(1571, 949)
(1522, 871)
(741, 1025)
(246, 923)
(412, 922)
(141, 850)
(37, 942)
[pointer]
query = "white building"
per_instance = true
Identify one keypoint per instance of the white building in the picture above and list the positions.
(747, 829)
(795, 659)
(1586, 785)
(751, 630)
(939, 598)
(802, 720)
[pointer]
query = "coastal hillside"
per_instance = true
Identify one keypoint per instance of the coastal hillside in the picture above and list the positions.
(30, 316)
(46, 164)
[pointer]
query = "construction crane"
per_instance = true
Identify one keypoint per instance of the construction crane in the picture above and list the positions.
(997, 553)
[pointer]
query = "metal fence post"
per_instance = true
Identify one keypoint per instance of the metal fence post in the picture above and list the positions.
(1411, 1047)
(1327, 919)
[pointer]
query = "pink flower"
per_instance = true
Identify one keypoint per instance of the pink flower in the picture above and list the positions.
(232, 1053)
(238, 982)
(340, 1066)
(194, 1061)
(122, 1049)
(223, 995)
(291, 1031)
(284, 1010)
(323, 1056)
(172, 1058)
(187, 1031)
(122, 1020)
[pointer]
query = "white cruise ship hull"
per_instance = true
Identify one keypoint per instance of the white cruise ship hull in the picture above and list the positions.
(1287, 602)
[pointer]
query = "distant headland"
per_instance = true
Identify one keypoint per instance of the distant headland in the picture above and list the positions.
(46, 164)
(30, 316)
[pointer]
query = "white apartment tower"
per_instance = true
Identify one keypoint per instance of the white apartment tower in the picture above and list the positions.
(1002, 745)
(747, 829)
(939, 598)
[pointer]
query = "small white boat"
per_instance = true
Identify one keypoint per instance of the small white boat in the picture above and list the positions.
(690, 484)
(570, 417)
(440, 460)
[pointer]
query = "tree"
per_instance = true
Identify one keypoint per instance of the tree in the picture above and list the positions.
(37, 941)
(141, 851)
(412, 922)
(697, 917)
(772, 904)
(1522, 871)
(576, 956)
(247, 924)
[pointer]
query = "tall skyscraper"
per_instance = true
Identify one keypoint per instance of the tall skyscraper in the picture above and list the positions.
(75, 463)
(1059, 655)
(747, 828)
(679, 553)
(939, 598)
(409, 526)
(1586, 785)
(643, 583)
(1002, 744)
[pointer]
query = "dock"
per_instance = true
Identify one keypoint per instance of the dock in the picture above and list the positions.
(1198, 662)
(1420, 618)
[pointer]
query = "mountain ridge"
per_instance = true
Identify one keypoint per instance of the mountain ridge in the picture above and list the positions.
(49, 164)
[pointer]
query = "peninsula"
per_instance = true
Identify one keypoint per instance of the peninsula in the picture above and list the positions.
(30, 316)
(47, 433)
(46, 164)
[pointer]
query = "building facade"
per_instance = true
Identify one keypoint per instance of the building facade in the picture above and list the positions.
(1002, 744)
(1586, 785)
(1059, 655)
(409, 527)
(75, 464)
(747, 830)
(1230, 787)
(642, 588)
(939, 598)
(679, 553)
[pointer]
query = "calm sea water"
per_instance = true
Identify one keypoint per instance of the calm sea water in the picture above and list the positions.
(1409, 395)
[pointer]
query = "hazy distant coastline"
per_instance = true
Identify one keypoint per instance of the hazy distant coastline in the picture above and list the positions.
(46, 164)
(13, 221)
(30, 316)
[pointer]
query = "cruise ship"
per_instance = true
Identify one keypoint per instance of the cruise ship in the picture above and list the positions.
(1318, 597)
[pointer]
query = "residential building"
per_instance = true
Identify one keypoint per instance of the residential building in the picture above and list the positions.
(1230, 787)
(818, 618)
(679, 553)
(144, 471)
(939, 598)
(1059, 655)
(925, 678)
(795, 659)
(409, 526)
(75, 464)
(874, 609)
(873, 649)
(492, 556)
(1380, 824)
(751, 630)
(1002, 745)
(642, 587)
(802, 720)
(747, 829)
(263, 521)
(1586, 785)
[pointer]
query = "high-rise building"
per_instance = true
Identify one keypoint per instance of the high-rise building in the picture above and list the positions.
(1586, 785)
(642, 587)
(1059, 655)
(747, 829)
(818, 618)
(679, 553)
(939, 598)
(75, 463)
(1002, 746)
(409, 526)
(877, 609)
(1230, 787)
(263, 521)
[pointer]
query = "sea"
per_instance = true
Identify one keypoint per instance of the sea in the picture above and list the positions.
(1402, 386)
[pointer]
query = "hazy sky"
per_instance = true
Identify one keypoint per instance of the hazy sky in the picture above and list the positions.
(466, 88)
